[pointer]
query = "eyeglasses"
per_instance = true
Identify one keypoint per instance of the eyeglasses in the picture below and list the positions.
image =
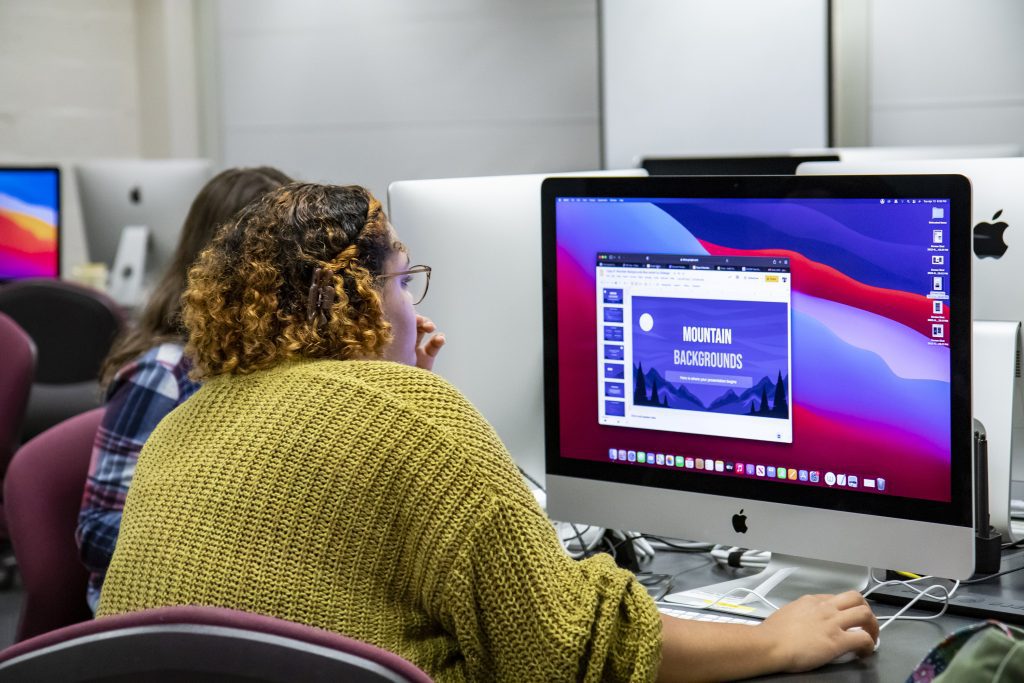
(416, 281)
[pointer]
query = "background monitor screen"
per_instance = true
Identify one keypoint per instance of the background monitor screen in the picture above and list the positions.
(777, 339)
(29, 222)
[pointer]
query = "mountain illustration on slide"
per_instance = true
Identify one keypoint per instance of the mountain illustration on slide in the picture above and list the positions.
(764, 399)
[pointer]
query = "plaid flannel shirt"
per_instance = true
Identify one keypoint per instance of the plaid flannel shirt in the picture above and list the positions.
(140, 395)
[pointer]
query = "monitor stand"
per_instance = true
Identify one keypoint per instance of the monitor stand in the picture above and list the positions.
(128, 273)
(998, 404)
(786, 578)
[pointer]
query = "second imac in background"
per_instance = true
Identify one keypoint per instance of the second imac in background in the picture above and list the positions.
(133, 210)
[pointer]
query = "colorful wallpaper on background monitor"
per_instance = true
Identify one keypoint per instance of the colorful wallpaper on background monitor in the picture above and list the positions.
(29, 205)
(870, 385)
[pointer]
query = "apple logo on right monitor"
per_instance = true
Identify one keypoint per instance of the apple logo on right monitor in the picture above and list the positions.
(988, 238)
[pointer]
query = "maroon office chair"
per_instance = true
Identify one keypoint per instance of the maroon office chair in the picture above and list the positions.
(42, 496)
(17, 369)
(200, 644)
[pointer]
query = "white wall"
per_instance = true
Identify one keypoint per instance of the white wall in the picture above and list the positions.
(371, 92)
(68, 78)
(696, 76)
(941, 72)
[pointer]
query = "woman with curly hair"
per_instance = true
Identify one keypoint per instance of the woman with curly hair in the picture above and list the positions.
(323, 475)
(145, 375)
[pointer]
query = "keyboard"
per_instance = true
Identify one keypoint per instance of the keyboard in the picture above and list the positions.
(717, 617)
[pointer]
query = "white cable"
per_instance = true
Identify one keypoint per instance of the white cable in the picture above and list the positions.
(945, 593)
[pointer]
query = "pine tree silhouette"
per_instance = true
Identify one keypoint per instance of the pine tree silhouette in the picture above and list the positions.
(780, 408)
(764, 410)
(640, 386)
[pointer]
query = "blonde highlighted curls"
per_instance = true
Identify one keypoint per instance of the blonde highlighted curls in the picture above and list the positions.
(245, 305)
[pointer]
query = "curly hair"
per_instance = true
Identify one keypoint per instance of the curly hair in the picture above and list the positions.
(245, 305)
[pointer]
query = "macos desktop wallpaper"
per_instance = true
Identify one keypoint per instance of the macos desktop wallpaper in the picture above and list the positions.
(870, 372)
(28, 223)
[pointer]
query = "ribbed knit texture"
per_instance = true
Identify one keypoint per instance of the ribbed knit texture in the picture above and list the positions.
(370, 498)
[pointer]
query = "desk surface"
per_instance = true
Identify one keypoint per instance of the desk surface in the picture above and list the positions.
(904, 643)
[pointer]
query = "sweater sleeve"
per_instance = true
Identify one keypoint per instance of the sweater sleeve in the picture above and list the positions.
(523, 610)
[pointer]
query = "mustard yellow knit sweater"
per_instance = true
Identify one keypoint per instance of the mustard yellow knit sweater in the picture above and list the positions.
(371, 499)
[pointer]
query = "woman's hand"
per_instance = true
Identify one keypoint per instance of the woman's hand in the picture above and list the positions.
(427, 347)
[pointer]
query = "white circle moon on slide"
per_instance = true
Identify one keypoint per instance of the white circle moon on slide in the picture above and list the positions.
(646, 322)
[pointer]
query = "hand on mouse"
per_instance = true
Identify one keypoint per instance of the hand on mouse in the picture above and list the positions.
(816, 629)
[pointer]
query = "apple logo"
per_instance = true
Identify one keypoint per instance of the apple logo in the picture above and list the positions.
(988, 238)
(739, 522)
(135, 195)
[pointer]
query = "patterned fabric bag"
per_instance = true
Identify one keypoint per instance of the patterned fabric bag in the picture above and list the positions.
(986, 652)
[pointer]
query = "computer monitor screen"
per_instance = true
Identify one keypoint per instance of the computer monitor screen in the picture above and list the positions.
(792, 351)
(783, 164)
(29, 222)
(481, 236)
(155, 193)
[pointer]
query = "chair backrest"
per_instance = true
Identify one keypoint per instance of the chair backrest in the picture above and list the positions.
(72, 326)
(200, 644)
(42, 496)
(17, 370)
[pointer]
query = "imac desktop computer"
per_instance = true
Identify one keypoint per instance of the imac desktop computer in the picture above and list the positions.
(133, 210)
(770, 362)
(29, 222)
(481, 236)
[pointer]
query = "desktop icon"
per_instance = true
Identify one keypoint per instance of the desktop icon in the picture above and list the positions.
(814, 476)
(791, 474)
(830, 478)
(759, 470)
(936, 306)
(938, 212)
(938, 259)
(852, 481)
(937, 236)
(881, 483)
(840, 480)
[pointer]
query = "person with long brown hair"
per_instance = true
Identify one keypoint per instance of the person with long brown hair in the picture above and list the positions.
(322, 474)
(145, 375)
